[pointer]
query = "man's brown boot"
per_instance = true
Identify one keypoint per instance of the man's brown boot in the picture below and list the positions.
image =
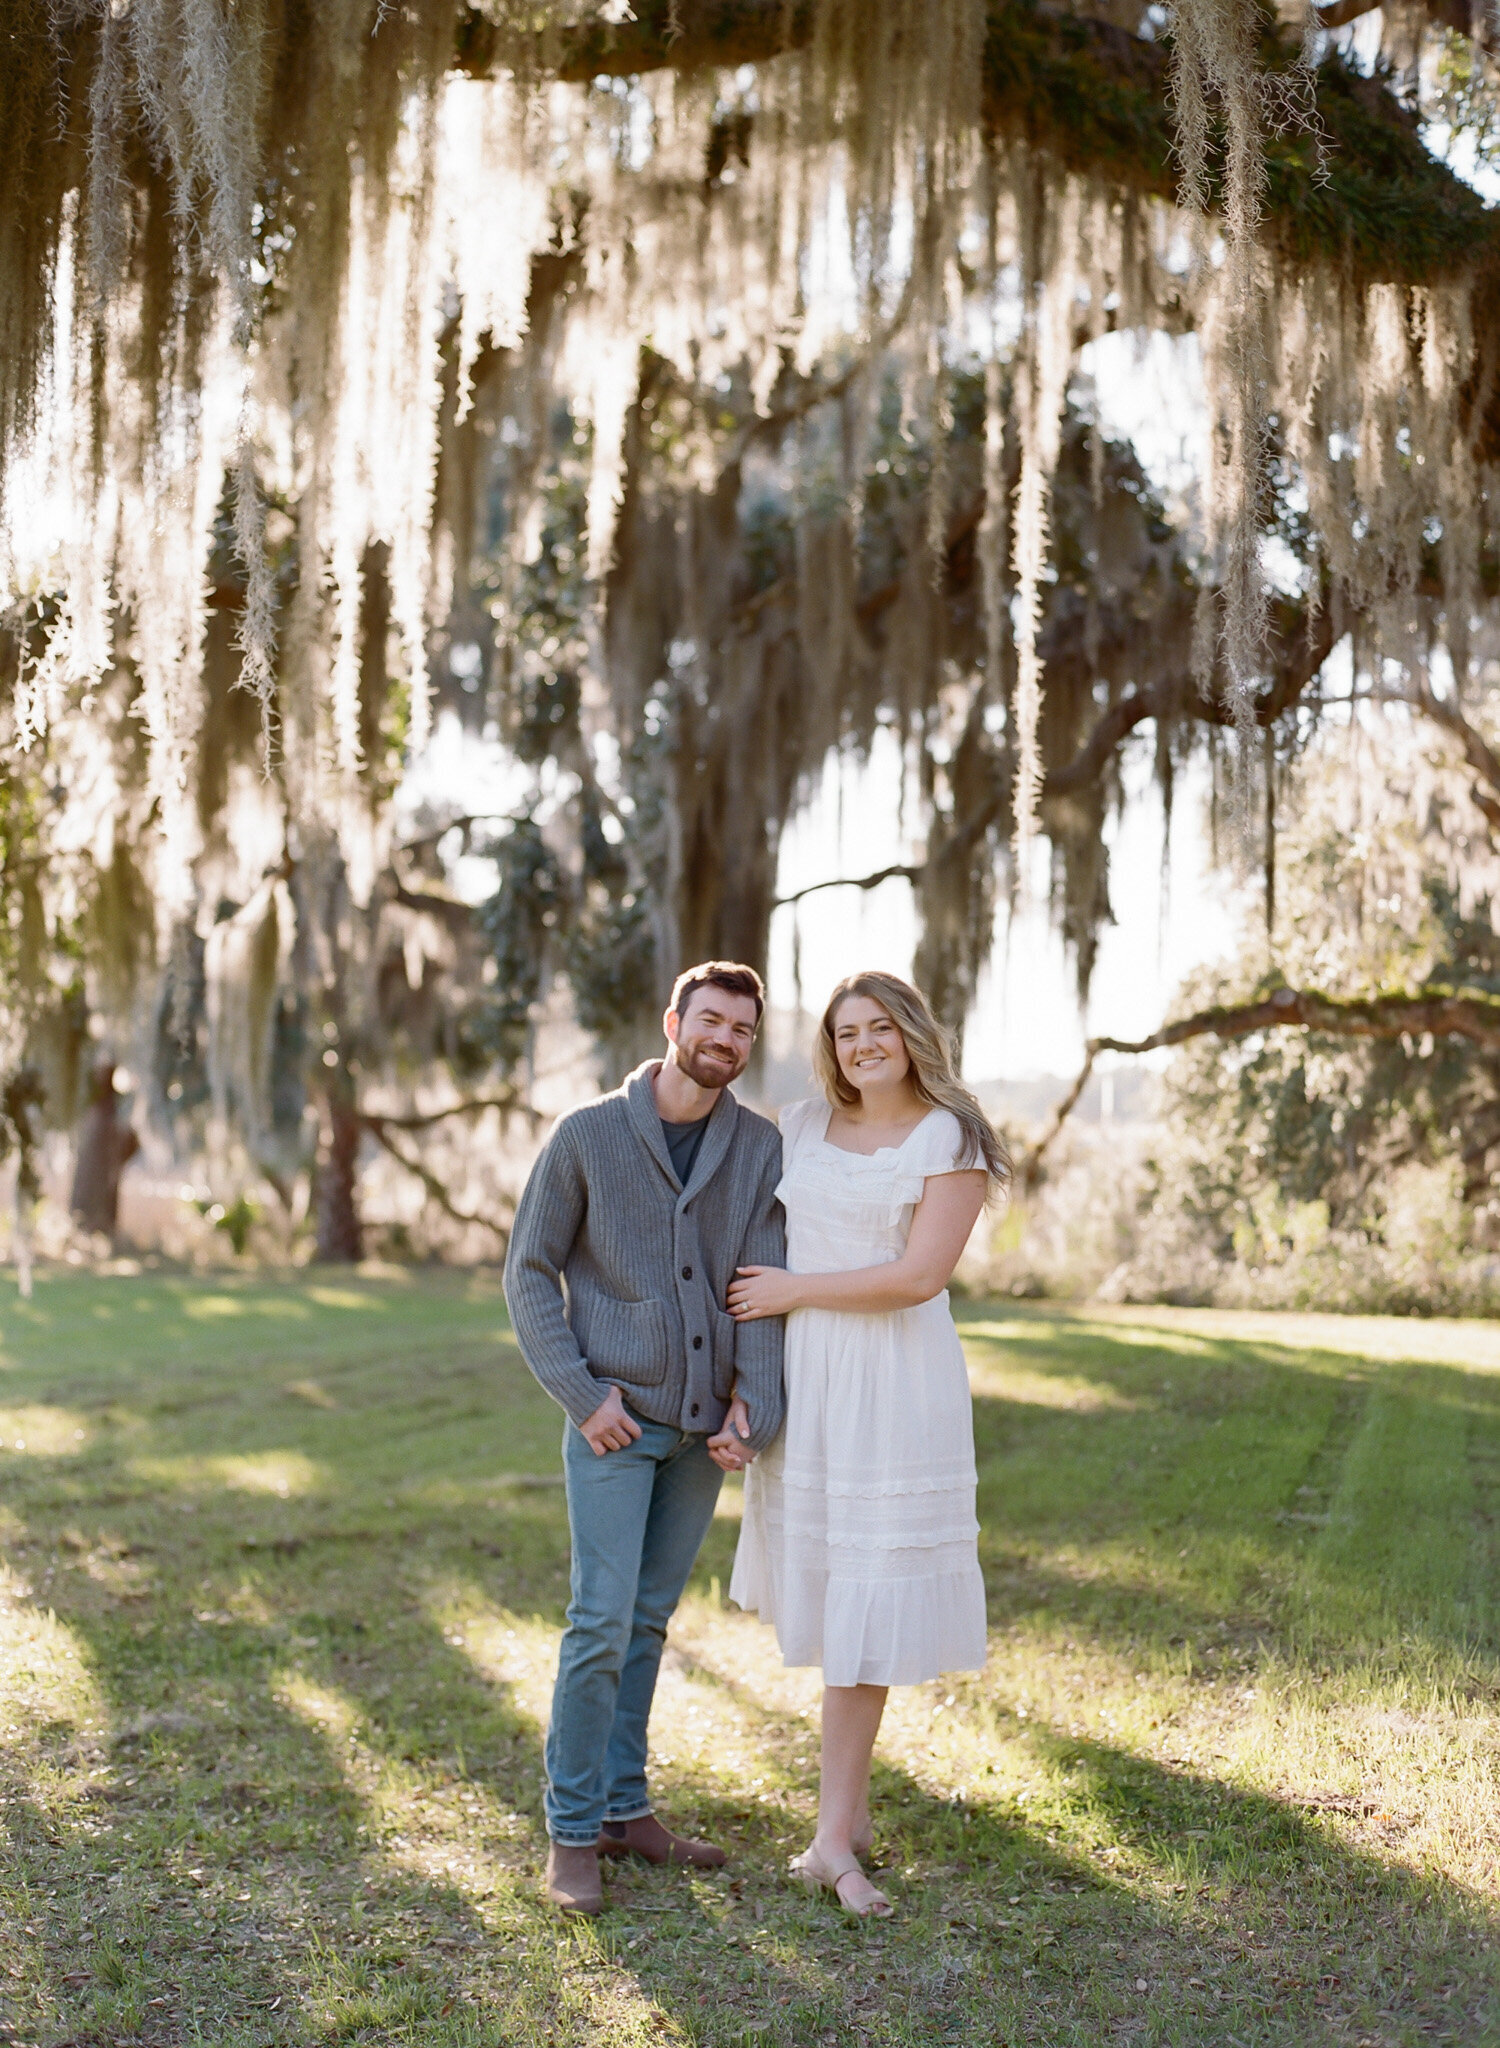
(648, 1839)
(573, 1879)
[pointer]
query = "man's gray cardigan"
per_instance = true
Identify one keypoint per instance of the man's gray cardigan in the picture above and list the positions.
(647, 1264)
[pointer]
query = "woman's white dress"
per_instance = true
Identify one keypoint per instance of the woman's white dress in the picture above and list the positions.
(859, 1541)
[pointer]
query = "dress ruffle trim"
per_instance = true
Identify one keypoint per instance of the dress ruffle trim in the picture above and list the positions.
(934, 1539)
(879, 1489)
(891, 1632)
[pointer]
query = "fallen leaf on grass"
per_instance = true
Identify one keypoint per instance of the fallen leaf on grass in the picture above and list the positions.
(310, 1392)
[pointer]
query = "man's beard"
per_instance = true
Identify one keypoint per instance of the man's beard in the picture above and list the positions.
(711, 1073)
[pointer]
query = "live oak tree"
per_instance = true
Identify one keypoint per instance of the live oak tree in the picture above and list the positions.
(684, 395)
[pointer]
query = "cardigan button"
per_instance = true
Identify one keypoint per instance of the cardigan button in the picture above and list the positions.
(697, 1343)
(687, 1272)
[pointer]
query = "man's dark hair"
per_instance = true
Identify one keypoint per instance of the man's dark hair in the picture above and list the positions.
(728, 975)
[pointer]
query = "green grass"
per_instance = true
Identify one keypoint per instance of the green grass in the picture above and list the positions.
(285, 1564)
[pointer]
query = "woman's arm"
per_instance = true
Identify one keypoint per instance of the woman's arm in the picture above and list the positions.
(940, 1229)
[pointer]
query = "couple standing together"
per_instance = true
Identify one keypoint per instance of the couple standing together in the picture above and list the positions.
(670, 1247)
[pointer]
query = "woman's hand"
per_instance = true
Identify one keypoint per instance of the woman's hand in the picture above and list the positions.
(940, 1229)
(757, 1291)
(727, 1448)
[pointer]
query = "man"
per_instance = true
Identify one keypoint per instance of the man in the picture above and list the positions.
(644, 1203)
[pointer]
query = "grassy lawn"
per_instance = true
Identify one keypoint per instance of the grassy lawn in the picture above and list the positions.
(284, 1569)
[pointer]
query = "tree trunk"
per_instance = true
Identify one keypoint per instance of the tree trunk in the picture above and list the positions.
(105, 1147)
(340, 1236)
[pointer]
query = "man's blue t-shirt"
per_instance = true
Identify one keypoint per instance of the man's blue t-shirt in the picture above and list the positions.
(683, 1141)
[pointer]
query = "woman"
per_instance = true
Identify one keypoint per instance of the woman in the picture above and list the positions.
(859, 1537)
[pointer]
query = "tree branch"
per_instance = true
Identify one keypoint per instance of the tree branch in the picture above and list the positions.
(1175, 698)
(439, 1194)
(1029, 1171)
(1462, 16)
(451, 911)
(1445, 1013)
(465, 822)
(1302, 656)
(1295, 670)
(1441, 1013)
(905, 874)
(661, 34)
(510, 1104)
(1479, 754)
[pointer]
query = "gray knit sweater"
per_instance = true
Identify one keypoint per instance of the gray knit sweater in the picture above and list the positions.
(617, 1274)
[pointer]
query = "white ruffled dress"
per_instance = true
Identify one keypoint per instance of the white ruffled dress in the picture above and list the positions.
(859, 1542)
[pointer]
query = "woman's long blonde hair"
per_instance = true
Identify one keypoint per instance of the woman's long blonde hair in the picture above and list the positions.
(930, 1051)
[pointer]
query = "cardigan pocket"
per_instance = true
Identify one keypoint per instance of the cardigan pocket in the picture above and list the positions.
(624, 1340)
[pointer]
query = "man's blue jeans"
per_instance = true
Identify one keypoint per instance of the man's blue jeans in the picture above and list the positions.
(638, 1518)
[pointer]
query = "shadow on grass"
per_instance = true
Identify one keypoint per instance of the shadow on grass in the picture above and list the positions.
(325, 1824)
(1292, 1494)
(1238, 1917)
(337, 1940)
(247, 1875)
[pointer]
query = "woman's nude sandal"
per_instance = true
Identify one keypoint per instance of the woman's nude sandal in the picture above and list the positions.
(818, 1876)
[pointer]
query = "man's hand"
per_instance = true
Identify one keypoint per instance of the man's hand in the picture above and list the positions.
(727, 1449)
(609, 1428)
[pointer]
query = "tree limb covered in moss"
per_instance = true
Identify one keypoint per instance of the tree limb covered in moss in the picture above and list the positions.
(1095, 98)
(1443, 1012)
(1303, 649)
(1463, 17)
(1298, 655)
(1470, 1014)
